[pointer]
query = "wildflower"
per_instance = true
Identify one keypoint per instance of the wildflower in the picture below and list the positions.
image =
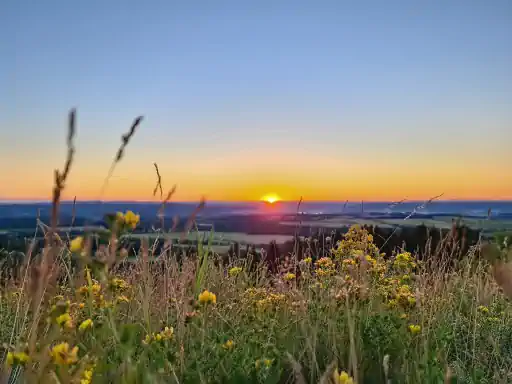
(235, 271)
(122, 299)
(16, 358)
(324, 262)
(414, 328)
(119, 284)
(95, 288)
(87, 376)
(228, 345)
(86, 324)
(342, 378)
(404, 260)
(63, 355)
(207, 297)
(131, 219)
(266, 362)
(64, 320)
(76, 244)
(289, 276)
(147, 339)
(167, 333)
(307, 260)
(483, 309)
(120, 217)
(81, 305)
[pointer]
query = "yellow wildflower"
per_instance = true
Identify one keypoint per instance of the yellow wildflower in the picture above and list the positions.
(234, 271)
(64, 320)
(308, 260)
(483, 309)
(118, 283)
(207, 297)
(87, 376)
(86, 324)
(131, 219)
(120, 217)
(63, 355)
(228, 345)
(147, 339)
(122, 299)
(266, 362)
(167, 333)
(342, 378)
(16, 358)
(289, 276)
(76, 244)
(414, 328)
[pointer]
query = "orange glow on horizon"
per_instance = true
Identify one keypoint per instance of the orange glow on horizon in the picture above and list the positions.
(271, 198)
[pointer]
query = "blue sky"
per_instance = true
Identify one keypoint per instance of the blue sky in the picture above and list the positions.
(246, 98)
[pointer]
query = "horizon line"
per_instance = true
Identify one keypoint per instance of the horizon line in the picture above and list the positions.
(48, 201)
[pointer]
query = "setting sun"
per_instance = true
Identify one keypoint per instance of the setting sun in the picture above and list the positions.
(271, 198)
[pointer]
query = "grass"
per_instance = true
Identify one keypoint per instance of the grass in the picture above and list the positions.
(355, 309)
(357, 316)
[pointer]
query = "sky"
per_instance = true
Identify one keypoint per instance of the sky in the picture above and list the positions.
(328, 100)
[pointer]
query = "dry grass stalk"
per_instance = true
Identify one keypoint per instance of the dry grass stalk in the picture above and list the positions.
(191, 220)
(125, 139)
(161, 210)
(43, 271)
(158, 182)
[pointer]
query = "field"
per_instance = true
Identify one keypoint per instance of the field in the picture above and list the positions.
(350, 314)
(352, 317)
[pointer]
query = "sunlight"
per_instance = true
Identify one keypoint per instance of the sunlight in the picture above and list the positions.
(271, 198)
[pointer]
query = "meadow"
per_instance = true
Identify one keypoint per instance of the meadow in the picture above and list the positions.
(71, 315)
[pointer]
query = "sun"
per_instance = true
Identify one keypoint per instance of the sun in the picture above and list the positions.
(271, 198)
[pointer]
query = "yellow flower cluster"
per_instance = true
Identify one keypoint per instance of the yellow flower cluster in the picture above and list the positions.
(16, 358)
(166, 334)
(64, 321)
(207, 297)
(129, 218)
(289, 276)
(118, 284)
(404, 261)
(95, 292)
(62, 354)
(265, 362)
(85, 325)
(77, 244)
(229, 345)
(262, 298)
(356, 240)
(325, 267)
(342, 378)
(414, 329)
(87, 376)
(234, 271)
